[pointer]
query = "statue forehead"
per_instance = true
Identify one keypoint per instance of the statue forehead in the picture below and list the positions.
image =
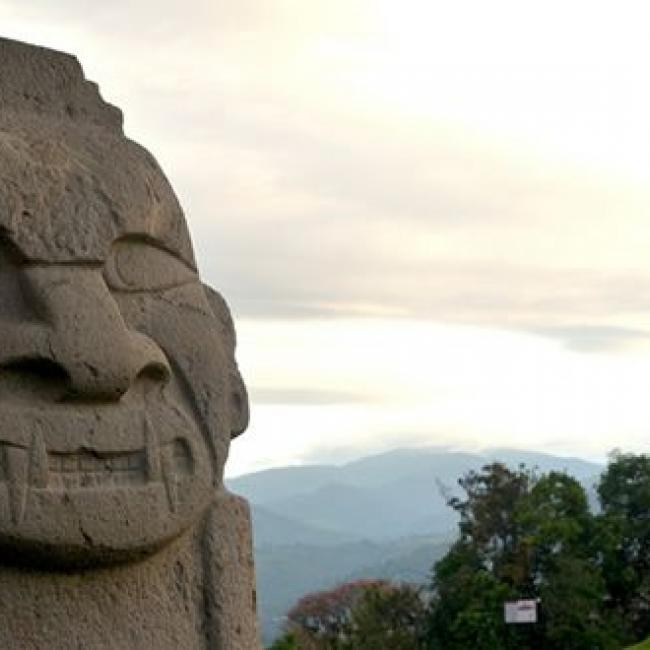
(71, 183)
(68, 195)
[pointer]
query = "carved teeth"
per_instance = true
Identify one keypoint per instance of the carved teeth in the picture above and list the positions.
(169, 477)
(152, 447)
(36, 468)
(17, 467)
(38, 462)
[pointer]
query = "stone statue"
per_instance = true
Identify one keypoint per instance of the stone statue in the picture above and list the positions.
(119, 391)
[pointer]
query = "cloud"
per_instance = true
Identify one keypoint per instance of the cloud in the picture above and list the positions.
(595, 338)
(303, 396)
(328, 168)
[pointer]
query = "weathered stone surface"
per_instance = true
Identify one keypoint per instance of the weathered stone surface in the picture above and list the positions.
(119, 390)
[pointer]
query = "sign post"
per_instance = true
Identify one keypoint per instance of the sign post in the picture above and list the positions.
(520, 611)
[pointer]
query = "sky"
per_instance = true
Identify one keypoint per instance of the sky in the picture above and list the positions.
(431, 219)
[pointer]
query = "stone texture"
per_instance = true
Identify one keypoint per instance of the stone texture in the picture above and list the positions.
(119, 390)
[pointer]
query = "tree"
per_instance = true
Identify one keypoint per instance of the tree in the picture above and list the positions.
(624, 537)
(389, 616)
(467, 606)
(488, 523)
(565, 574)
(521, 536)
(323, 619)
(286, 642)
(572, 595)
(358, 615)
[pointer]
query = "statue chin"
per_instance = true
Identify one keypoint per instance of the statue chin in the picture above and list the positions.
(72, 530)
(99, 493)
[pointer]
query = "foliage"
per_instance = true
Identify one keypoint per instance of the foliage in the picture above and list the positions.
(389, 616)
(325, 616)
(358, 615)
(572, 604)
(285, 642)
(624, 537)
(487, 524)
(467, 610)
(521, 536)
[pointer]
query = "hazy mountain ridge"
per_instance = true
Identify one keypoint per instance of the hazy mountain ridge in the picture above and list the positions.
(381, 497)
(274, 529)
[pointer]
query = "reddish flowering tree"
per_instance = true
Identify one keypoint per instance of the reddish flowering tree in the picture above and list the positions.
(357, 614)
(325, 616)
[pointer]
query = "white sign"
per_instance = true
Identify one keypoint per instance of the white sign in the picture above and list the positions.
(520, 611)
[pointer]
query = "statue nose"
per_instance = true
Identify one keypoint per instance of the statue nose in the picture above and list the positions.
(89, 339)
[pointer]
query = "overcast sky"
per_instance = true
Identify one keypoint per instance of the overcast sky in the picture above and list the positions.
(431, 219)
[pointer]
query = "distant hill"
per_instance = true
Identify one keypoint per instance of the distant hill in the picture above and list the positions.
(381, 497)
(410, 560)
(383, 515)
(274, 529)
(282, 482)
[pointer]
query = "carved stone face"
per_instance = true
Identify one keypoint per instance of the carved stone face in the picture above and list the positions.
(119, 391)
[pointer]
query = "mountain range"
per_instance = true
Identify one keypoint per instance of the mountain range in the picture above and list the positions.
(383, 515)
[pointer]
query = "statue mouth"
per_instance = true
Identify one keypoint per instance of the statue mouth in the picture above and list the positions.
(43, 464)
(83, 485)
(87, 469)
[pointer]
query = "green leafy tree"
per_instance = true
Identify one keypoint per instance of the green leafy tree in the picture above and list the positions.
(467, 608)
(521, 536)
(388, 616)
(624, 537)
(574, 617)
(564, 571)
(555, 518)
(287, 641)
(488, 523)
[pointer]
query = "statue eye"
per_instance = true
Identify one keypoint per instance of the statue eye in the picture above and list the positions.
(140, 266)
